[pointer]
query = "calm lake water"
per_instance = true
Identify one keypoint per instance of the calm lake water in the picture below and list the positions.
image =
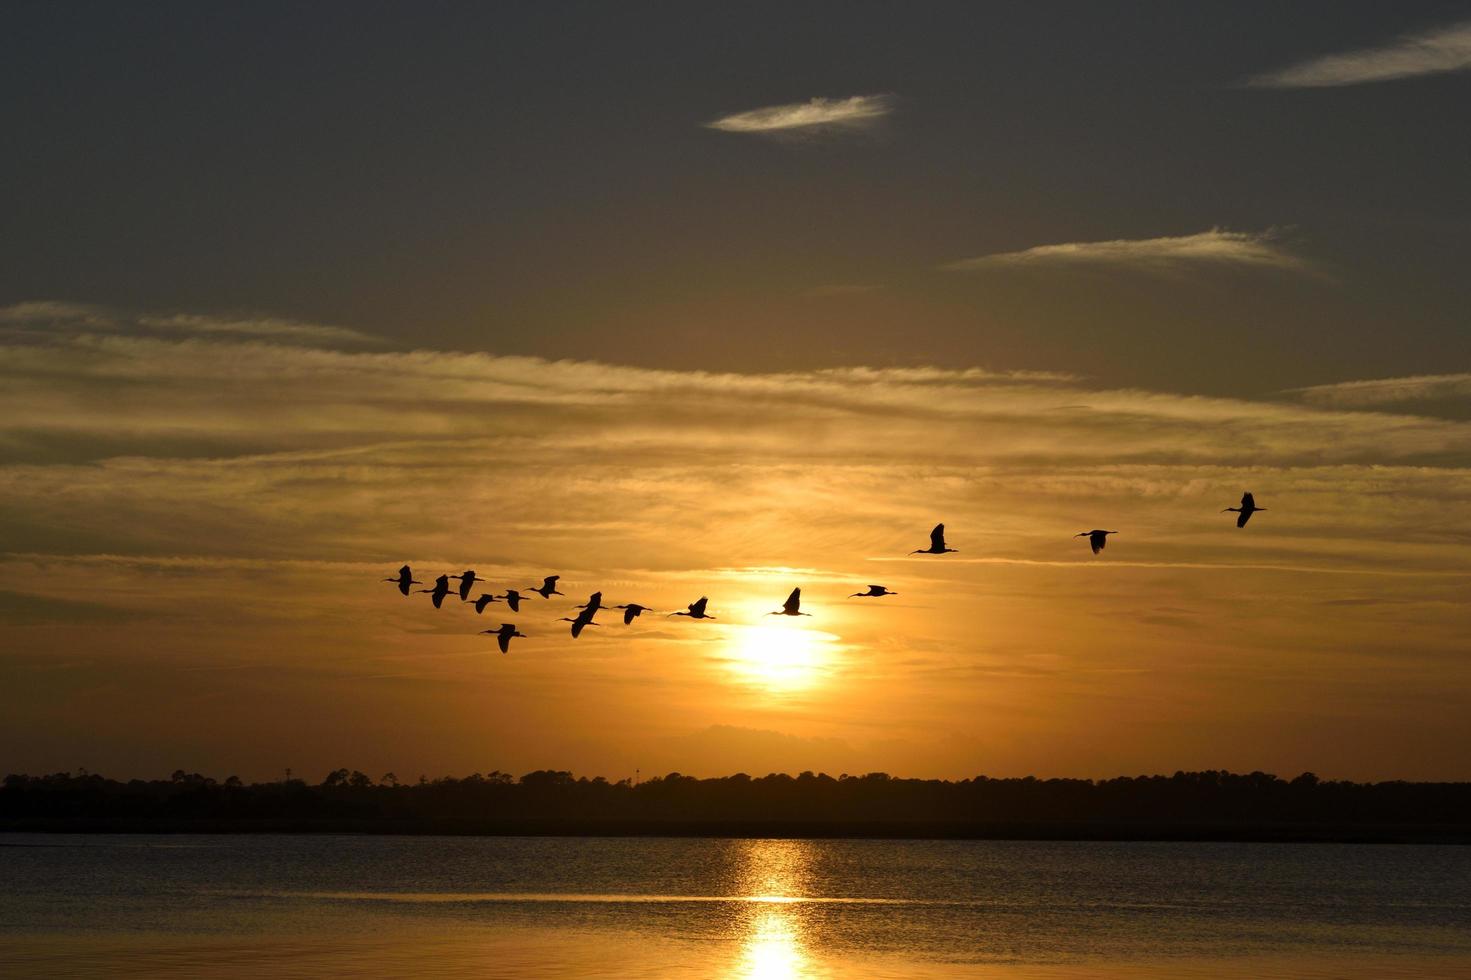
(318, 906)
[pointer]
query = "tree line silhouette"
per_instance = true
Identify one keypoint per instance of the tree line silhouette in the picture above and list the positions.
(1187, 805)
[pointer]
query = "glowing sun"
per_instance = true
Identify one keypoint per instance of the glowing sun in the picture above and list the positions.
(781, 656)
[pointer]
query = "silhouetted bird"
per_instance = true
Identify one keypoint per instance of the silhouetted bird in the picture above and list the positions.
(548, 587)
(697, 610)
(584, 618)
(631, 612)
(504, 635)
(485, 599)
(404, 579)
(937, 543)
(467, 582)
(1097, 539)
(593, 604)
(440, 590)
(513, 599)
(1247, 508)
(873, 591)
(792, 607)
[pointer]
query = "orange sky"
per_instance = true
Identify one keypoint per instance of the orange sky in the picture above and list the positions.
(206, 594)
(727, 300)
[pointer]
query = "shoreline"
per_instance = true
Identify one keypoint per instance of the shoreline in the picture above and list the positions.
(795, 830)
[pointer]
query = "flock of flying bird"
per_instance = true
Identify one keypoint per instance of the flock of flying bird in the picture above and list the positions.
(696, 610)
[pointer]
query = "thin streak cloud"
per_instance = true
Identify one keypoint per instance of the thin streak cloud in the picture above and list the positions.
(61, 318)
(1207, 248)
(231, 396)
(1434, 52)
(1387, 391)
(814, 114)
(1203, 566)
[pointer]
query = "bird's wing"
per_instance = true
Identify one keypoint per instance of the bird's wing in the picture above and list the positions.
(794, 601)
(628, 613)
(698, 607)
(1243, 517)
(937, 537)
(550, 582)
(1247, 500)
(505, 642)
(405, 572)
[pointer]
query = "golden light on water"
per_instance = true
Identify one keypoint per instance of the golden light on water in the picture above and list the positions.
(773, 946)
(782, 657)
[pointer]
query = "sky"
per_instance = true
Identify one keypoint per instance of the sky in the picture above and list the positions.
(680, 301)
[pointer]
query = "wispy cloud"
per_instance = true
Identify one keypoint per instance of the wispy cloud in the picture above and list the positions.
(241, 496)
(1207, 248)
(1387, 391)
(273, 328)
(231, 395)
(815, 114)
(54, 317)
(1429, 53)
(49, 312)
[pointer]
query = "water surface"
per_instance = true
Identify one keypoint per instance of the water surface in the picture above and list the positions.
(316, 906)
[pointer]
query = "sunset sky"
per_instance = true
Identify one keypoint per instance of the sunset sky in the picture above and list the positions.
(679, 301)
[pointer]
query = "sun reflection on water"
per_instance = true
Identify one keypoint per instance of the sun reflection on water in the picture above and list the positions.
(774, 944)
(773, 948)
